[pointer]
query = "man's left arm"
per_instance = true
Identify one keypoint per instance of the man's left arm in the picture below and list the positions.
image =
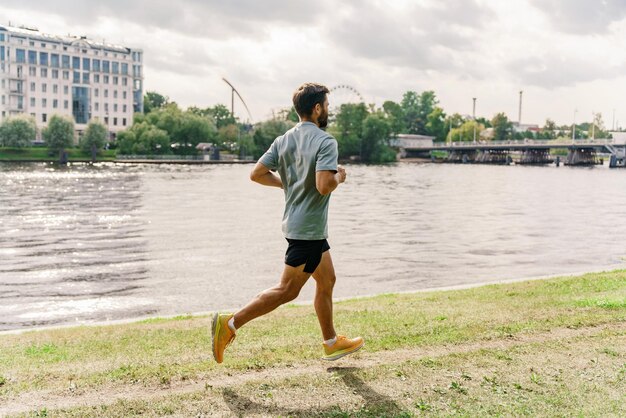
(262, 175)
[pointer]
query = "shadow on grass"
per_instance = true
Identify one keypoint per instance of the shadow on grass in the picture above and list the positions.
(376, 404)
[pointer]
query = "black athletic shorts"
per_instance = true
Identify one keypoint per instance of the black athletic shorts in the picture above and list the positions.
(305, 252)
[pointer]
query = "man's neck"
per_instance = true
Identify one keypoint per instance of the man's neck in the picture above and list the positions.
(309, 120)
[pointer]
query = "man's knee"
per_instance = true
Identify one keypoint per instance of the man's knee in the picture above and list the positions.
(289, 293)
(326, 283)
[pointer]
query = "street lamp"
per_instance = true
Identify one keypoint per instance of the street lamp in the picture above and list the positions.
(474, 117)
(574, 126)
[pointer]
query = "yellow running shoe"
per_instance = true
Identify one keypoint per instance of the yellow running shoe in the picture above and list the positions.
(221, 335)
(342, 347)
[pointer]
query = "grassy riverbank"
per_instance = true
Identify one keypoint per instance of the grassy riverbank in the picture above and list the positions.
(41, 154)
(537, 348)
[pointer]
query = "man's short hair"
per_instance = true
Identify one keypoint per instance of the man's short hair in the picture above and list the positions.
(307, 96)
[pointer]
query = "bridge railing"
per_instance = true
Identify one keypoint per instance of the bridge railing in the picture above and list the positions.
(523, 142)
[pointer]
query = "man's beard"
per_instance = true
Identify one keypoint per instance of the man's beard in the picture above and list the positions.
(322, 121)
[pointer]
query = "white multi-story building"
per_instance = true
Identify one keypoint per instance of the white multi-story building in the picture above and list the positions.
(42, 75)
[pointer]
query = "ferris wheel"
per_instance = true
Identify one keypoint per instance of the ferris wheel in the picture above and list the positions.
(342, 94)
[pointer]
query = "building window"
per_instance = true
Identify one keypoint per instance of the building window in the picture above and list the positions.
(80, 104)
(124, 108)
(114, 121)
(44, 87)
(124, 81)
(32, 57)
(97, 106)
(44, 103)
(66, 90)
(106, 107)
(115, 94)
(43, 58)
(105, 66)
(32, 101)
(55, 88)
(65, 104)
(115, 107)
(124, 122)
(76, 63)
(124, 68)
(96, 64)
(55, 74)
(32, 86)
(32, 71)
(55, 104)
(96, 92)
(115, 67)
(44, 117)
(66, 75)
(85, 78)
(115, 80)
(105, 79)
(124, 95)
(1, 37)
(96, 78)
(106, 120)
(3, 99)
(65, 61)
(106, 93)
(44, 72)
(76, 79)
(2, 53)
(43, 45)
(54, 60)
(86, 64)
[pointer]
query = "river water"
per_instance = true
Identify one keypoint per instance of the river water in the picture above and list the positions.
(93, 243)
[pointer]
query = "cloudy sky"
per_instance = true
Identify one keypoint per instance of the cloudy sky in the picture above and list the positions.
(566, 55)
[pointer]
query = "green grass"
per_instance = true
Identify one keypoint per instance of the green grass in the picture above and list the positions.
(171, 351)
(41, 154)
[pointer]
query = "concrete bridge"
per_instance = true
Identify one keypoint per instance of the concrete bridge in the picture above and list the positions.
(579, 152)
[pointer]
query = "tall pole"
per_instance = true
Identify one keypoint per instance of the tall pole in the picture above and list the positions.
(474, 117)
(519, 117)
(574, 126)
(232, 102)
(593, 126)
(613, 124)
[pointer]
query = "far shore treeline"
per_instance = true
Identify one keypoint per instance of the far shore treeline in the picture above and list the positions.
(362, 130)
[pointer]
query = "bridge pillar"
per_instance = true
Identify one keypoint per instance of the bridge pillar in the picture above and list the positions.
(536, 156)
(491, 156)
(461, 156)
(582, 156)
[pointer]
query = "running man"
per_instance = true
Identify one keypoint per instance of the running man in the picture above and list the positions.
(306, 160)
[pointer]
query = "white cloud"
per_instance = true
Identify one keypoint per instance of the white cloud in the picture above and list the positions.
(561, 53)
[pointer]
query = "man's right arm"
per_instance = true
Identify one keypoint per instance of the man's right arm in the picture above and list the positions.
(326, 181)
(262, 175)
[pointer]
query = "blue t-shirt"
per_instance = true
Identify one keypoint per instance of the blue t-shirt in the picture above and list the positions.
(297, 156)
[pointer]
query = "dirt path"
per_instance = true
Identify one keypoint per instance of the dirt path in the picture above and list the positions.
(108, 395)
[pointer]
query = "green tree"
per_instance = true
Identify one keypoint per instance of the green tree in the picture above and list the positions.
(395, 116)
(549, 129)
(411, 109)
(194, 129)
(376, 133)
(152, 141)
(154, 101)
(59, 134)
(95, 136)
(453, 121)
(266, 132)
(221, 115)
(126, 141)
(466, 131)
(416, 110)
(502, 127)
(18, 131)
(436, 124)
(348, 127)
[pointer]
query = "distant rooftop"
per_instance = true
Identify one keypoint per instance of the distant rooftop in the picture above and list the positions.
(34, 33)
